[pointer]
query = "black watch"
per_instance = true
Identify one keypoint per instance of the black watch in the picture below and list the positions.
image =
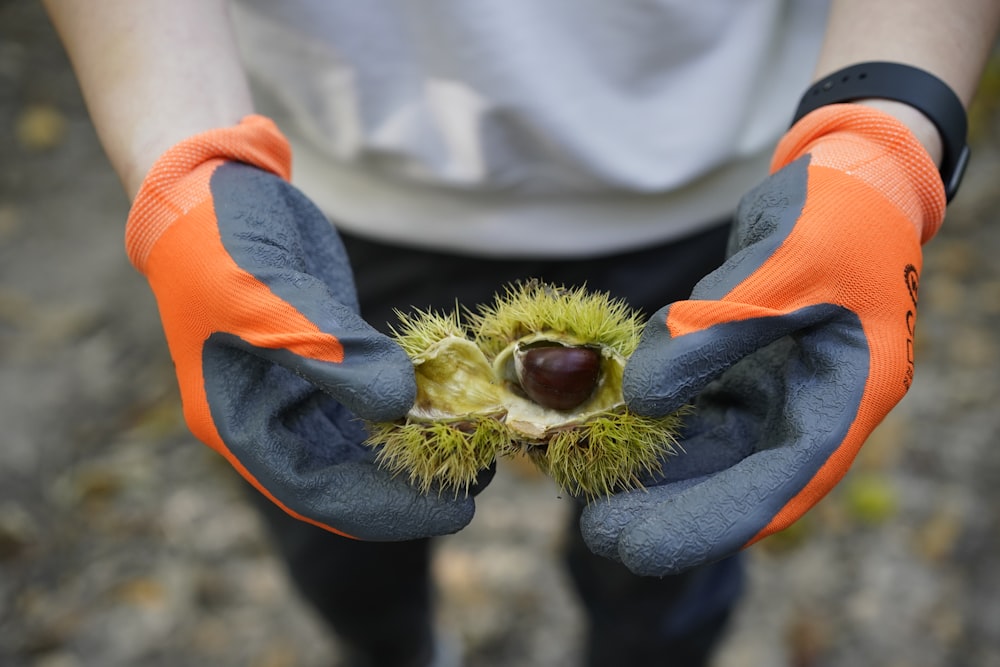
(910, 85)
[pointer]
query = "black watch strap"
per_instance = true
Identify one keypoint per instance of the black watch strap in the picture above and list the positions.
(910, 85)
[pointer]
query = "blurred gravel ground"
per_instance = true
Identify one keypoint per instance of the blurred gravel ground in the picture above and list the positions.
(123, 542)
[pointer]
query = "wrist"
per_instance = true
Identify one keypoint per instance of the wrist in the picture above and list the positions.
(875, 147)
(920, 125)
(177, 182)
(147, 142)
(908, 86)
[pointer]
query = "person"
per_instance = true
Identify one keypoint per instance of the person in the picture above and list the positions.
(645, 149)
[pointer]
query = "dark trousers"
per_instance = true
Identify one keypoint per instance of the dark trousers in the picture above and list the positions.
(377, 596)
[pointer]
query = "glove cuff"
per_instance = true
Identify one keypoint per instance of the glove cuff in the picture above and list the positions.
(876, 148)
(175, 184)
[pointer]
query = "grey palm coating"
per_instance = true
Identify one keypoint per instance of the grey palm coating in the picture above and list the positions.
(773, 398)
(293, 422)
(275, 233)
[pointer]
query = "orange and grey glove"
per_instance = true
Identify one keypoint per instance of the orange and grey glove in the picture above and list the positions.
(275, 365)
(791, 352)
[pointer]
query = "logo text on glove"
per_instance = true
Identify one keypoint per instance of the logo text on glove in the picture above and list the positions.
(912, 278)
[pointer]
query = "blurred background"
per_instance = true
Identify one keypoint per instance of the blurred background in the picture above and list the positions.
(124, 542)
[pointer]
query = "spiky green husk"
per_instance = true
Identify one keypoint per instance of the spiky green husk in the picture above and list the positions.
(582, 317)
(468, 409)
(445, 455)
(433, 446)
(418, 332)
(607, 454)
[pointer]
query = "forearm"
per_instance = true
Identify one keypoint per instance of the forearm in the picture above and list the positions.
(951, 40)
(152, 73)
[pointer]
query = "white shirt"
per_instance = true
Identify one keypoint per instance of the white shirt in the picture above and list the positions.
(529, 127)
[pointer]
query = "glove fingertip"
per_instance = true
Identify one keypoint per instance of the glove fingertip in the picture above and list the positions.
(645, 550)
(641, 389)
(438, 516)
(603, 521)
(599, 536)
(388, 396)
(373, 505)
(375, 380)
(656, 383)
(663, 371)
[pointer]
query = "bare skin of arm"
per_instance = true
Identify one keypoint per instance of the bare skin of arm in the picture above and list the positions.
(951, 40)
(152, 73)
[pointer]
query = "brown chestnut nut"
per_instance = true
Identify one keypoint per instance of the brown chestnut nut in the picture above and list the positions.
(557, 376)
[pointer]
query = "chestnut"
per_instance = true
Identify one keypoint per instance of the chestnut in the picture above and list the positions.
(558, 377)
